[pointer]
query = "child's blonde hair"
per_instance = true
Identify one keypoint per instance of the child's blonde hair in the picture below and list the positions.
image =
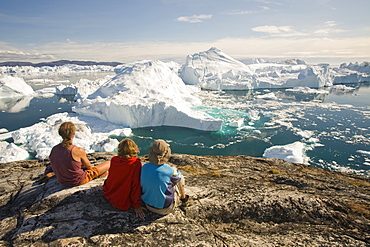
(127, 148)
(67, 130)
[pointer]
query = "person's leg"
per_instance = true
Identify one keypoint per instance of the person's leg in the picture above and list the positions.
(181, 188)
(103, 167)
(163, 211)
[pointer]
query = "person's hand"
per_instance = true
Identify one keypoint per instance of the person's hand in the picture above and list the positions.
(139, 212)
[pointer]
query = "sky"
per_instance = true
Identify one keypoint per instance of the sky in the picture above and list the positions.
(317, 31)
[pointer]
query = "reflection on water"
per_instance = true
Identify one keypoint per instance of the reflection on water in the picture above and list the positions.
(70, 98)
(15, 104)
(26, 111)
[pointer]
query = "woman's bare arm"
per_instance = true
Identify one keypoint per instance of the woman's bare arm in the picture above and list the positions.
(79, 154)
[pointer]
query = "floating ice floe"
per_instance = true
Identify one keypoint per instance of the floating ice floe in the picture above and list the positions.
(237, 123)
(147, 93)
(11, 152)
(294, 152)
(268, 96)
(363, 152)
(307, 90)
(92, 134)
(14, 86)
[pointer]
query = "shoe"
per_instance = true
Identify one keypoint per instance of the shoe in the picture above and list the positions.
(185, 200)
(45, 178)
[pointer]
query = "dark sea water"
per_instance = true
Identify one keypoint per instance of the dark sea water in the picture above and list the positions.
(333, 126)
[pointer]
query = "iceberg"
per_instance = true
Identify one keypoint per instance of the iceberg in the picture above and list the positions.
(61, 69)
(293, 152)
(14, 86)
(11, 152)
(214, 70)
(65, 90)
(92, 135)
(144, 94)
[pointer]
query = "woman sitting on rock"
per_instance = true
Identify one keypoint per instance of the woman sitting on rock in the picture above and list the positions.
(70, 163)
(122, 186)
(163, 186)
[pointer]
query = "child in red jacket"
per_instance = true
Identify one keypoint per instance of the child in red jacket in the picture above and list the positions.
(122, 186)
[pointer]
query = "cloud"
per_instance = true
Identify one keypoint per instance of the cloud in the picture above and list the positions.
(8, 55)
(247, 12)
(331, 23)
(239, 12)
(328, 31)
(194, 18)
(282, 31)
(328, 28)
(303, 47)
(268, 2)
(288, 31)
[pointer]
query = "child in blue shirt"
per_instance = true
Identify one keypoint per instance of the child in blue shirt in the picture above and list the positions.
(162, 185)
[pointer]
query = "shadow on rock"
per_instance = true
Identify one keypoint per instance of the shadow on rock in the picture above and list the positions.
(84, 213)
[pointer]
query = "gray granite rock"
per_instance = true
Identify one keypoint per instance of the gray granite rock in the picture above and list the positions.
(235, 201)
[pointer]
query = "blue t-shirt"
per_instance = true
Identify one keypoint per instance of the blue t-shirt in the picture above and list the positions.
(157, 182)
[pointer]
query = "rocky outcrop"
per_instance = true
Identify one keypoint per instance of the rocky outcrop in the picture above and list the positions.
(236, 201)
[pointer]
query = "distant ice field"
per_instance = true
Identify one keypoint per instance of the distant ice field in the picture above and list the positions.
(326, 127)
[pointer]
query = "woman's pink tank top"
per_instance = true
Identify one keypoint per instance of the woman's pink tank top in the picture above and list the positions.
(67, 170)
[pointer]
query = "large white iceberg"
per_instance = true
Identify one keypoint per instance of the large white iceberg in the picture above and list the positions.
(215, 70)
(14, 86)
(147, 93)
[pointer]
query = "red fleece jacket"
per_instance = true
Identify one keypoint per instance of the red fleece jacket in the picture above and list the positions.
(122, 186)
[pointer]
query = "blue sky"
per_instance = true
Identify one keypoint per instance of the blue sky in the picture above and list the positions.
(332, 31)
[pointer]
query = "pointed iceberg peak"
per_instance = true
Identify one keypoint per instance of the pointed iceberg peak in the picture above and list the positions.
(216, 55)
(210, 68)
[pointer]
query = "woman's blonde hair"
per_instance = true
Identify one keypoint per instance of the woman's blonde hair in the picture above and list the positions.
(67, 130)
(127, 148)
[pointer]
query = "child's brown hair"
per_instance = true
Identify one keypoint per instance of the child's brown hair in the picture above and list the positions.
(127, 148)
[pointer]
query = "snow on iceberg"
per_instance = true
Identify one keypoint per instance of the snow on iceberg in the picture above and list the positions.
(86, 87)
(294, 152)
(14, 86)
(215, 70)
(92, 134)
(147, 93)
